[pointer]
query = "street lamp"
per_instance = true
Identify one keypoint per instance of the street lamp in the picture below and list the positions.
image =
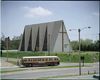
(79, 30)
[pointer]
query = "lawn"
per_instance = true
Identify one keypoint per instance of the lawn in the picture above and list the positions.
(64, 57)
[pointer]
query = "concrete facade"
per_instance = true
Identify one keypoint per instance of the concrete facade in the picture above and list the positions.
(50, 36)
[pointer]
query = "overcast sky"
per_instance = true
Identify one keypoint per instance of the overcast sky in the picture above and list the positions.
(75, 14)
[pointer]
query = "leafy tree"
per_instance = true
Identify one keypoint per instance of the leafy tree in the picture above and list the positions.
(14, 44)
(3, 46)
(86, 45)
(74, 45)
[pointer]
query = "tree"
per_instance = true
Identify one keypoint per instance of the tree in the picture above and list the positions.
(15, 42)
(3, 46)
(86, 45)
(74, 45)
(96, 45)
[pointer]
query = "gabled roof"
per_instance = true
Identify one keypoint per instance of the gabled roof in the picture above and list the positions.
(52, 30)
(43, 36)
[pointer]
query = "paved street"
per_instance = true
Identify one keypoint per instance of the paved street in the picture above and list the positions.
(42, 73)
(82, 77)
(45, 72)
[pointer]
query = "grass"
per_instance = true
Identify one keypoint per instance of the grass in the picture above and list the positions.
(12, 71)
(73, 57)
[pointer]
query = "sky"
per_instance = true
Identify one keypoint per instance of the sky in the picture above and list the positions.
(75, 14)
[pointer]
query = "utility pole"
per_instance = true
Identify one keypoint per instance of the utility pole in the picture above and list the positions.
(79, 53)
(7, 45)
(62, 39)
(63, 32)
(1, 48)
(79, 30)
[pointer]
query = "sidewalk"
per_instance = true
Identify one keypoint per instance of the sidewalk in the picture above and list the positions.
(5, 64)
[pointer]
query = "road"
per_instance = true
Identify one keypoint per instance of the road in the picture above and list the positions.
(43, 73)
(82, 77)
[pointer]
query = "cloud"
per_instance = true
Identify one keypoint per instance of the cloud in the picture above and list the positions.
(96, 14)
(37, 12)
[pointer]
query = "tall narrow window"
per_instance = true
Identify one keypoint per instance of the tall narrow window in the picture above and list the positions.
(30, 42)
(23, 42)
(37, 42)
(45, 41)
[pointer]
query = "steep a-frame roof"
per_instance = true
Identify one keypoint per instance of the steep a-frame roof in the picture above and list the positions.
(38, 32)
